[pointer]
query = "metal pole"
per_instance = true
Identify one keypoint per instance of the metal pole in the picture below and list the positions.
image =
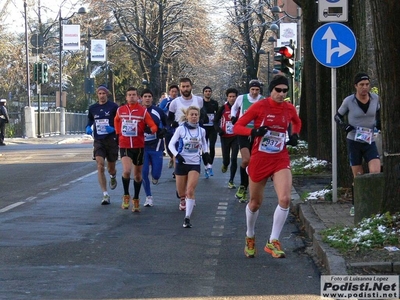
(62, 109)
(39, 135)
(60, 56)
(106, 73)
(292, 74)
(334, 140)
(268, 76)
(85, 83)
(299, 34)
(106, 63)
(28, 80)
(88, 64)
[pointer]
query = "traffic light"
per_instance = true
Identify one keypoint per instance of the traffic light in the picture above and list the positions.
(39, 73)
(35, 72)
(45, 73)
(287, 60)
(89, 85)
(277, 58)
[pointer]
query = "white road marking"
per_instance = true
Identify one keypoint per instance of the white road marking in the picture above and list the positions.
(30, 199)
(11, 206)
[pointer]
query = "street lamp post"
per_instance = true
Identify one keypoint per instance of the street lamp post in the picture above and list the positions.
(28, 83)
(81, 11)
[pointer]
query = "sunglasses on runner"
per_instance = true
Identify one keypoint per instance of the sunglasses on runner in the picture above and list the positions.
(279, 90)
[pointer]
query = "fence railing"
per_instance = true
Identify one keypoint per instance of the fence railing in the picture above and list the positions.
(49, 123)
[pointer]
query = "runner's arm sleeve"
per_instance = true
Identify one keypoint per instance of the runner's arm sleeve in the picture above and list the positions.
(171, 116)
(217, 118)
(163, 120)
(240, 125)
(378, 124)
(204, 144)
(163, 105)
(90, 119)
(172, 142)
(235, 108)
(340, 121)
(150, 122)
(117, 124)
(203, 116)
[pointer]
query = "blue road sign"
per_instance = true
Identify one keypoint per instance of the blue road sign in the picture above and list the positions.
(333, 45)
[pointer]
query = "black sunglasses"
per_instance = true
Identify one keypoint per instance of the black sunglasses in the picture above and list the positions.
(279, 90)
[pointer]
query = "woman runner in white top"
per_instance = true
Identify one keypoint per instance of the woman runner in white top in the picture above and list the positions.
(192, 143)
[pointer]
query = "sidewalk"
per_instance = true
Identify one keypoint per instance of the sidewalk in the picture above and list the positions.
(317, 216)
(53, 139)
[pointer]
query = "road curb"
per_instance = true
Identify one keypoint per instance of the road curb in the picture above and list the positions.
(329, 257)
(54, 139)
(389, 267)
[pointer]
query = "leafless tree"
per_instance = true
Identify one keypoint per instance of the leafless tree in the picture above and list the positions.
(159, 32)
(252, 20)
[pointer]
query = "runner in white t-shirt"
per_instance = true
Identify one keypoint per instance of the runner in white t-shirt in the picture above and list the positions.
(242, 104)
(180, 104)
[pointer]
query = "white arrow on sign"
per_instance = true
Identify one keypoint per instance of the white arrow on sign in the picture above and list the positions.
(342, 49)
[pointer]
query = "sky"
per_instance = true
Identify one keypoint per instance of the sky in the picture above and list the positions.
(13, 18)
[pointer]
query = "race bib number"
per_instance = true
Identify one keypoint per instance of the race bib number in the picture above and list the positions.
(129, 128)
(101, 125)
(272, 142)
(192, 145)
(210, 120)
(228, 127)
(150, 137)
(363, 135)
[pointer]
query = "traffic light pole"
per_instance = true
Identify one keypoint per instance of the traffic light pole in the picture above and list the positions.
(39, 135)
(39, 95)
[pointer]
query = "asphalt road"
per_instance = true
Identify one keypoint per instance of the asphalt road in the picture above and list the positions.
(60, 243)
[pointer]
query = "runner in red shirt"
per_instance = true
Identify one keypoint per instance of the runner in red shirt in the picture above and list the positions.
(269, 158)
(130, 124)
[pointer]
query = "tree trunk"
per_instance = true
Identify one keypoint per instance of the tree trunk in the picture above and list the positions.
(308, 99)
(345, 75)
(387, 43)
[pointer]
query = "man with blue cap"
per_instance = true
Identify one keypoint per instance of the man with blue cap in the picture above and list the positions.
(105, 146)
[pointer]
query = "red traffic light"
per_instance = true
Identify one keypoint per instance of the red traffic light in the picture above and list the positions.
(286, 51)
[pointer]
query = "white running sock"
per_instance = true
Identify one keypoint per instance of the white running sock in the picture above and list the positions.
(189, 207)
(105, 193)
(251, 218)
(279, 220)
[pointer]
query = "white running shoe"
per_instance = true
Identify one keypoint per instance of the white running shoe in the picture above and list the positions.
(113, 182)
(105, 200)
(149, 201)
(154, 181)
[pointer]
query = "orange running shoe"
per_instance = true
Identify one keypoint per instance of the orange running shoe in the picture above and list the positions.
(274, 248)
(125, 202)
(136, 207)
(250, 248)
